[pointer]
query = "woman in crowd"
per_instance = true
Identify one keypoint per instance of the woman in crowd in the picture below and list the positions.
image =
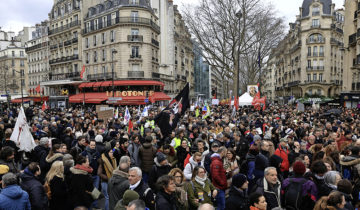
(331, 179)
(230, 165)
(58, 190)
(257, 202)
(180, 193)
(182, 151)
(165, 198)
(200, 189)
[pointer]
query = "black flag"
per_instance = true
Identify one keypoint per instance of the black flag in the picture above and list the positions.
(176, 109)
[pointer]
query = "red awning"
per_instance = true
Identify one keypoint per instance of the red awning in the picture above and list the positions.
(160, 96)
(92, 98)
(121, 83)
(98, 84)
(87, 84)
(18, 100)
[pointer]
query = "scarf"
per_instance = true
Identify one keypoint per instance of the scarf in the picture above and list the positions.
(132, 187)
(109, 167)
(201, 180)
(81, 167)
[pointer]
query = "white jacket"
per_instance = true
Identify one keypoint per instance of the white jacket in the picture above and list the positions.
(190, 167)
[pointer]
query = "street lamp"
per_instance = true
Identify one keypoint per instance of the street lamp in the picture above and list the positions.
(239, 16)
(112, 71)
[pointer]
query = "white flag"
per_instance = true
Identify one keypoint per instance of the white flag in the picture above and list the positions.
(116, 115)
(145, 112)
(127, 116)
(139, 111)
(21, 134)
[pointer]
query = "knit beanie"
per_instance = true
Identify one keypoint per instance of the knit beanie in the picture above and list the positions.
(160, 157)
(99, 138)
(129, 196)
(238, 180)
(299, 168)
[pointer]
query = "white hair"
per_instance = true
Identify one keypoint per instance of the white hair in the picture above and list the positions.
(137, 169)
(266, 171)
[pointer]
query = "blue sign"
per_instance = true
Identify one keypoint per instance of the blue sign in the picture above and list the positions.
(146, 100)
(4, 95)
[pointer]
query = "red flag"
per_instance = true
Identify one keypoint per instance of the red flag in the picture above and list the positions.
(264, 107)
(236, 103)
(152, 99)
(82, 72)
(131, 126)
(38, 89)
(44, 106)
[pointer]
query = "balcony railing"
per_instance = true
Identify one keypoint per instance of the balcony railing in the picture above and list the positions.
(154, 42)
(135, 56)
(316, 26)
(75, 40)
(53, 46)
(309, 68)
(101, 76)
(135, 38)
(64, 59)
(315, 41)
(316, 13)
(334, 41)
(65, 27)
(35, 47)
(135, 74)
(155, 75)
(72, 75)
(315, 81)
(68, 42)
(124, 20)
(352, 39)
(294, 83)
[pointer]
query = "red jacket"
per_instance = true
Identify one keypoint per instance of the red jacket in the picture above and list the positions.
(218, 173)
(284, 155)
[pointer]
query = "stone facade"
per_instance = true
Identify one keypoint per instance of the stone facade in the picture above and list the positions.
(309, 61)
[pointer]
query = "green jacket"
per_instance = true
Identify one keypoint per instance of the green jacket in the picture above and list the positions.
(207, 193)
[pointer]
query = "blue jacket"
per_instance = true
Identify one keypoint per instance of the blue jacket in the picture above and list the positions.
(14, 198)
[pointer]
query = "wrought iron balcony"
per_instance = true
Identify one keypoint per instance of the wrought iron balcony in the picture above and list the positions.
(101, 76)
(64, 59)
(65, 27)
(135, 74)
(135, 38)
(155, 42)
(64, 76)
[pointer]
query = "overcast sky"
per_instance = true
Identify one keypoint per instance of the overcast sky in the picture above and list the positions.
(14, 14)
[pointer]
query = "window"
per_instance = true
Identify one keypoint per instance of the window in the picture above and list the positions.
(134, 2)
(321, 63)
(309, 51)
(112, 36)
(13, 53)
(95, 57)
(95, 69)
(315, 23)
(315, 51)
(134, 31)
(135, 67)
(87, 57)
(314, 77)
(22, 63)
(87, 42)
(88, 26)
(309, 64)
(321, 51)
(103, 38)
(315, 63)
(135, 52)
(309, 77)
(103, 70)
(104, 55)
(94, 40)
(96, 24)
(104, 21)
(134, 16)
(320, 77)
(22, 73)
(316, 11)
(23, 82)
(21, 53)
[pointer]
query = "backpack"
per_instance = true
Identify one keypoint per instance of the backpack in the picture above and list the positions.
(293, 195)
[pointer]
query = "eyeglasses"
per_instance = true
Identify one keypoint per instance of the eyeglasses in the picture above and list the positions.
(178, 177)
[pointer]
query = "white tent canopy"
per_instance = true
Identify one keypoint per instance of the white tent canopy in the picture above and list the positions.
(245, 99)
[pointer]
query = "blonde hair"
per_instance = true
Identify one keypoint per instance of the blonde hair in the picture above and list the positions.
(177, 170)
(57, 169)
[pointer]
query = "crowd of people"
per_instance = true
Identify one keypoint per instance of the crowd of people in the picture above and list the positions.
(278, 158)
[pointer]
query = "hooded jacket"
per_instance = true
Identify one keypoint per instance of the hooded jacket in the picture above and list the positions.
(147, 153)
(284, 154)
(118, 184)
(157, 171)
(13, 197)
(80, 182)
(218, 173)
(190, 167)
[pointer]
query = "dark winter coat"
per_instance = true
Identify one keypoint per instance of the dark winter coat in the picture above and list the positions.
(146, 194)
(157, 171)
(181, 156)
(147, 153)
(93, 156)
(218, 173)
(41, 153)
(100, 147)
(80, 183)
(261, 162)
(271, 194)
(242, 147)
(13, 197)
(237, 200)
(68, 140)
(35, 189)
(59, 199)
(118, 184)
(11, 164)
(165, 201)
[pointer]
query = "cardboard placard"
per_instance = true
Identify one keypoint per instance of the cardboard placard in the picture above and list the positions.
(300, 107)
(106, 114)
(101, 108)
(215, 101)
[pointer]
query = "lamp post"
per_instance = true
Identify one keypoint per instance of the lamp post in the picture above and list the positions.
(6, 68)
(236, 94)
(112, 71)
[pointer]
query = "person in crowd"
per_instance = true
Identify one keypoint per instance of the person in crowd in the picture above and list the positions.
(207, 161)
(31, 184)
(160, 168)
(107, 164)
(145, 192)
(230, 164)
(270, 187)
(55, 154)
(331, 179)
(238, 198)
(100, 146)
(133, 150)
(57, 193)
(182, 152)
(345, 187)
(136, 204)
(283, 152)
(219, 176)
(170, 153)
(336, 200)
(79, 147)
(7, 157)
(129, 196)
(118, 184)
(200, 190)
(11, 195)
(41, 151)
(194, 161)
(93, 156)
(262, 160)
(257, 202)
(181, 187)
(165, 198)
(147, 153)
(81, 183)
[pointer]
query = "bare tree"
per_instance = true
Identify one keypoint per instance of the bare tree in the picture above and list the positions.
(229, 42)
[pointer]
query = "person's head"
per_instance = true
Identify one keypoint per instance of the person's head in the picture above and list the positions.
(178, 175)
(136, 205)
(345, 186)
(135, 139)
(197, 157)
(9, 179)
(167, 149)
(271, 175)
(311, 139)
(63, 148)
(299, 168)
(166, 183)
(92, 144)
(135, 175)
(264, 146)
(215, 147)
(230, 154)
(56, 148)
(258, 200)
(129, 195)
(319, 168)
(57, 169)
(206, 206)
(44, 141)
(355, 151)
(34, 168)
(222, 151)
(330, 165)
(7, 153)
(81, 160)
(82, 140)
(184, 143)
(148, 139)
(68, 161)
(161, 158)
(336, 199)
(200, 144)
(240, 181)
(125, 159)
(332, 177)
(199, 171)
(284, 142)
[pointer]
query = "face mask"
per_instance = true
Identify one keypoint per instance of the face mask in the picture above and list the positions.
(211, 140)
